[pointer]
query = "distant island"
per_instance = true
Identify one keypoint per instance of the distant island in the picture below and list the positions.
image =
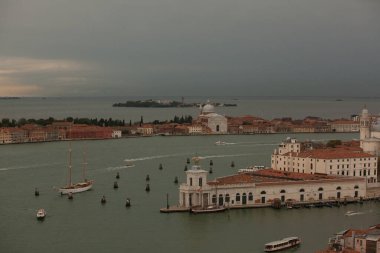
(163, 104)
(9, 97)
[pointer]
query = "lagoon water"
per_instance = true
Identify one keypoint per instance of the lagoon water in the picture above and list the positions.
(84, 225)
(265, 107)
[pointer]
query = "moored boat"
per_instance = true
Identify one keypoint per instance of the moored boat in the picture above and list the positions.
(282, 244)
(209, 209)
(41, 213)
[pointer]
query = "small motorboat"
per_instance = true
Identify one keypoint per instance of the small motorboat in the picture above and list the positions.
(41, 213)
(220, 143)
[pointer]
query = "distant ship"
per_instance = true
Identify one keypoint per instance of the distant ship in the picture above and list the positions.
(77, 187)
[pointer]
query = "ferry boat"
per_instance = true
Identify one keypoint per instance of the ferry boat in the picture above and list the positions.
(282, 244)
(41, 213)
(252, 169)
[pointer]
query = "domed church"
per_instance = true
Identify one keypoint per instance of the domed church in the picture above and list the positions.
(369, 134)
(215, 122)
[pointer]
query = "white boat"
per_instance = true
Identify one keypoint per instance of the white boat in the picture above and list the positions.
(129, 163)
(41, 213)
(209, 209)
(76, 187)
(352, 213)
(282, 244)
(252, 169)
(220, 143)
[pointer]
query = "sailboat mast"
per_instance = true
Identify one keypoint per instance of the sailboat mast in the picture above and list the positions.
(70, 167)
(84, 164)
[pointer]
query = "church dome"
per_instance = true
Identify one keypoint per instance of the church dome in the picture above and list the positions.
(208, 108)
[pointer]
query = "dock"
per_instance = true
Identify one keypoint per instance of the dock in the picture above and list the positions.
(174, 209)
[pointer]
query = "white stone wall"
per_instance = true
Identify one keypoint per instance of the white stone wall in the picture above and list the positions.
(330, 189)
(215, 121)
(358, 167)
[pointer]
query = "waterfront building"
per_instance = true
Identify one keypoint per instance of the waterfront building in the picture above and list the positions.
(195, 129)
(355, 241)
(12, 135)
(215, 122)
(79, 131)
(145, 130)
(262, 187)
(345, 126)
(369, 133)
(291, 156)
(116, 133)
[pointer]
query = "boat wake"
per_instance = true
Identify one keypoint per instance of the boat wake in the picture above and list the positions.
(28, 166)
(152, 157)
(120, 167)
(247, 143)
(354, 213)
(220, 156)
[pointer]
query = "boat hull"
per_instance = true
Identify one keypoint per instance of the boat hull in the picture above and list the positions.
(283, 246)
(208, 210)
(76, 188)
(41, 214)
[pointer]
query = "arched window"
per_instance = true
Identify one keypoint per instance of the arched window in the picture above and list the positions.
(237, 197)
(282, 191)
(227, 198)
(302, 190)
(263, 192)
(191, 181)
(200, 182)
(320, 189)
(339, 188)
(250, 196)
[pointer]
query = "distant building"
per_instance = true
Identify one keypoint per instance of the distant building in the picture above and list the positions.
(355, 241)
(215, 122)
(116, 133)
(262, 187)
(195, 129)
(344, 161)
(369, 134)
(345, 126)
(12, 135)
(145, 130)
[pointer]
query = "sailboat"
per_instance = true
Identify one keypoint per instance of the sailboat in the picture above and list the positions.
(71, 187)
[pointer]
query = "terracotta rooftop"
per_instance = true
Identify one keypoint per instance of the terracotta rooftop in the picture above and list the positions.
(337, 153)
(271, 176)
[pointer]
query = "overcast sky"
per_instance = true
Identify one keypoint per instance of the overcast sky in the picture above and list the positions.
(189, 47)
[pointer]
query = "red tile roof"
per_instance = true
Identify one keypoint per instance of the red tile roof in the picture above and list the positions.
(338, 153)
(271, 176)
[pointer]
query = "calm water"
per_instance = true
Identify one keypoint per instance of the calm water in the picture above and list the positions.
(84, 225)
(267, 108)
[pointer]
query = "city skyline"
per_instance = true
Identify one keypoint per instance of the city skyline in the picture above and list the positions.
(170, 48)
